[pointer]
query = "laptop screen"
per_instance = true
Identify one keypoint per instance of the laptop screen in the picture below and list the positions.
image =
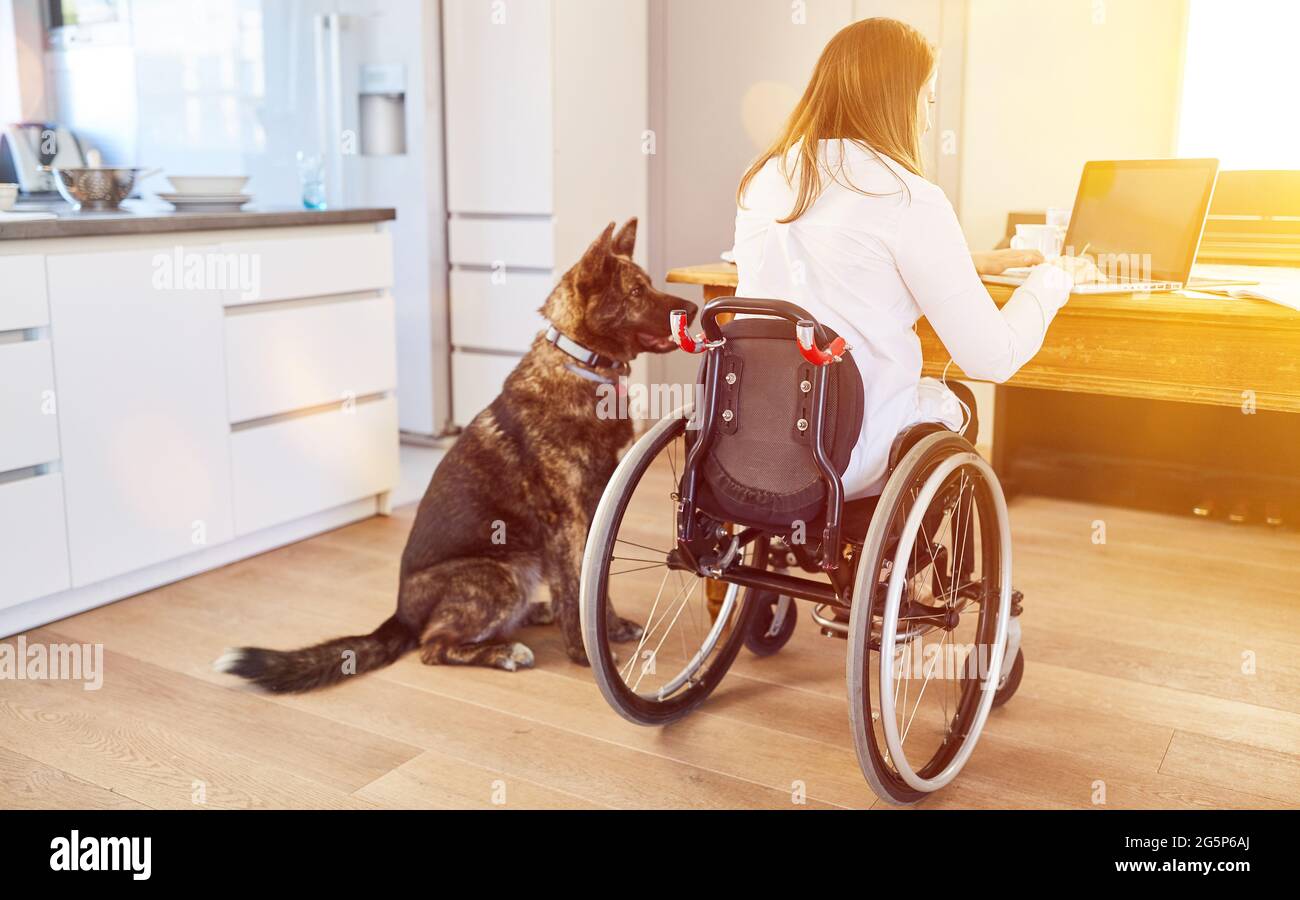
(1141, 220)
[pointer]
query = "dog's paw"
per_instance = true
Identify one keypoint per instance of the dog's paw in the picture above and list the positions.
(621, 630)
(517, 657)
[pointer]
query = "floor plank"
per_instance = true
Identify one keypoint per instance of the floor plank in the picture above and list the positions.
(1232, 764)
(154, 765)
(435, 781)
(28, 784)
(342, 758)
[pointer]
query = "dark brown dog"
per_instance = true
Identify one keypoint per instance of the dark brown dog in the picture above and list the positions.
(511, 503)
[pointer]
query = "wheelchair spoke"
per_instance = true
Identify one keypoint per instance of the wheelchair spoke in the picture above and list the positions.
(654, 654)
(925, 684)
(960, 539)
(641, 546)
(652, 624)
(960, 532)
(637, 569)
(636, 655)
(657, 562)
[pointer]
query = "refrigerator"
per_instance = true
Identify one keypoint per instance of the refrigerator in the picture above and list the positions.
(253, 87)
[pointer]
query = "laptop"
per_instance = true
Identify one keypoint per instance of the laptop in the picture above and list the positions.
(1141, 221)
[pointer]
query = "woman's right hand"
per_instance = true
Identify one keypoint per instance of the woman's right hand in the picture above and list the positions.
(1079, 269)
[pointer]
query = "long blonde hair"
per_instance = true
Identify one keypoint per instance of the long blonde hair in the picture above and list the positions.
(863, 89)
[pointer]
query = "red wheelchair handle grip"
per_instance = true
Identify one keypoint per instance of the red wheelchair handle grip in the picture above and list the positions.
(834, 351)
(679, 321)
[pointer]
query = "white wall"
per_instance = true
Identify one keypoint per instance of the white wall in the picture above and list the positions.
(1050, 84)
(602, 154)
(724, 75)
(10, 95)
(727, 74)
(1238, 75)
(23, 95)
(601, 92)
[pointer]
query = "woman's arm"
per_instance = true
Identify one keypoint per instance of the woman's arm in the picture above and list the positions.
(989, 344)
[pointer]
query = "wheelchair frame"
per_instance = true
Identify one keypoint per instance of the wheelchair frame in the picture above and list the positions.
(807, 331)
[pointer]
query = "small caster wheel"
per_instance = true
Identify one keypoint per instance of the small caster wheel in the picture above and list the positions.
(773, 622)
(1008, 687)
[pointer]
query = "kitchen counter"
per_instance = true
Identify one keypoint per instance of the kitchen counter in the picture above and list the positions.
(137, 217)
(225, 384)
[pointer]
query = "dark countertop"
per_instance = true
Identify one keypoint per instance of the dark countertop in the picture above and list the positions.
(138, 218)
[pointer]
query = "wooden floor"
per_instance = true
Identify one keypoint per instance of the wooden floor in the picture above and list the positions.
(1134, 688)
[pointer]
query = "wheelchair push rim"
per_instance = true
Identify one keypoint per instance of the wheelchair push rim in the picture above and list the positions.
(899, 773)
(692, 642)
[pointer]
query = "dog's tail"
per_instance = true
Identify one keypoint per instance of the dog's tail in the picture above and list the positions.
(292, 671)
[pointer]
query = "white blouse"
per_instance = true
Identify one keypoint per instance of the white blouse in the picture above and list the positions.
(869, 267)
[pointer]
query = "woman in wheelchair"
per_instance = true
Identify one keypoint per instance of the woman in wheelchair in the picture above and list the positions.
(817, 447)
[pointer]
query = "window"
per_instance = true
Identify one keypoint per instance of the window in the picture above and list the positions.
(1240, 88)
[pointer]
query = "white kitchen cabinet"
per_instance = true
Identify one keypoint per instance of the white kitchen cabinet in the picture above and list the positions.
(280, 359)
(22, 292)
(134, 376)
(500, 314)
(497, 71)
(33, 540)
(476, 379)
(287, 469)
(289, 268)
(508, 243)
(29, 433)
(142, 412)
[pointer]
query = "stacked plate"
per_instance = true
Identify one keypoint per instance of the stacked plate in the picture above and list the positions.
(207, 193)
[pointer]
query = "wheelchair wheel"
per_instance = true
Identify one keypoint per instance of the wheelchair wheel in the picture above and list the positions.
(929, 620)
(774, 621)
(684, 648)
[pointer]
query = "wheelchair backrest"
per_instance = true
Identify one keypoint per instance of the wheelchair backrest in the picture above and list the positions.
(759, 469)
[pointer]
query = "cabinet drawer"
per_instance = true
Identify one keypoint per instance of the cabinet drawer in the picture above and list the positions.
(23, 302)
(280, 360)
(29, 431)
(293, 468)
(310, 267)
(497, 316)
(514, 243)
(476, 379)
(33, 539)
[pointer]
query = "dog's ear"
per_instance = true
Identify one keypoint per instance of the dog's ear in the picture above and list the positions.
(625, 240)
(594, 267)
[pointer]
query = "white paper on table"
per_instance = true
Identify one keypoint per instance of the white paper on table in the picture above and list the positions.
(1277, 284)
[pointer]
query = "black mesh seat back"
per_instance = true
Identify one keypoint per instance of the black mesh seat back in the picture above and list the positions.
(759, 469)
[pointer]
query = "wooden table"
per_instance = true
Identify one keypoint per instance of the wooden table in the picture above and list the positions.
(1194, 348)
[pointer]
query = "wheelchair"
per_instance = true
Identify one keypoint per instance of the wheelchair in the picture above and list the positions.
(720, 517)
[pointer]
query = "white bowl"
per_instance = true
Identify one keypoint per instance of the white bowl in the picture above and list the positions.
(208, 184)
(8, 196)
